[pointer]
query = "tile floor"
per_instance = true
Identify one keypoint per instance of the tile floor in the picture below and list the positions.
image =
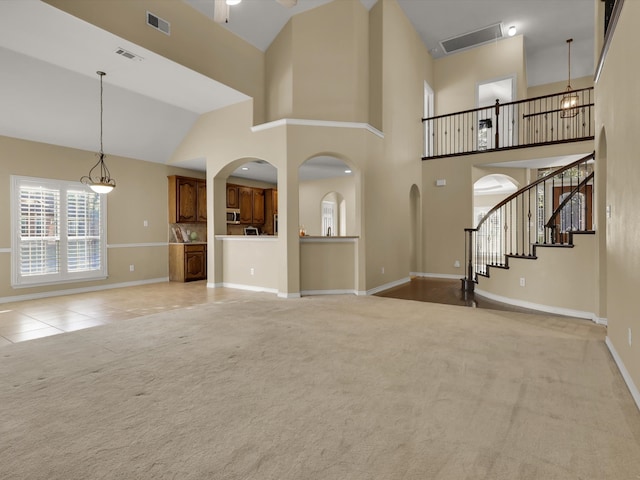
(30, 319)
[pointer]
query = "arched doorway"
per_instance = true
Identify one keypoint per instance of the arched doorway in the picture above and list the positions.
(490, 190)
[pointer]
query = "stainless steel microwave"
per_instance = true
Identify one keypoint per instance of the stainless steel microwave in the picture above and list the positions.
(233, 216)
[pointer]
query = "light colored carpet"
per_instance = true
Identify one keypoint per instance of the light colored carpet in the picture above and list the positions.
(319, 388)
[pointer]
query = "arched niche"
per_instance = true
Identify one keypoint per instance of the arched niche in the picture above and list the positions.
(327, 183)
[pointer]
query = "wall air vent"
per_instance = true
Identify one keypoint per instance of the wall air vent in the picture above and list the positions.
(472, 39)
(127, 54)
(158, 23)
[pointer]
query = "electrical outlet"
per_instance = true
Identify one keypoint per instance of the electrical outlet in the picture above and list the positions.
(145, 223)
(629, 336)
(522, 282)
(252, 271)
(132, 268)
(456, 264)
(382, 270)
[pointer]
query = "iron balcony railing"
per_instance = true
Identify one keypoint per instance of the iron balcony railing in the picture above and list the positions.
(558, 118)
(546, 212)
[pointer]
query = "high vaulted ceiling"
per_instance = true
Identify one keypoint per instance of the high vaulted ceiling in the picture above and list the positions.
(50, 89)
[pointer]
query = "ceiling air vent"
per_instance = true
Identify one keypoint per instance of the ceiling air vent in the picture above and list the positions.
(127, 54)
(472, 39)
(158, 23)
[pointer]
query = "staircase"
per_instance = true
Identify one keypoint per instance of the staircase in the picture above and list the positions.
(547, 213)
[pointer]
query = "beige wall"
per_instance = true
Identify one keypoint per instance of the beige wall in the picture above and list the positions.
(249, 263)
(563, 279)
(142, 184)
(558, 87)
(279, 76)
(330, 62)
(375, 66)
(328, 265)
(195, 41)
(617, 104)
(457, 75)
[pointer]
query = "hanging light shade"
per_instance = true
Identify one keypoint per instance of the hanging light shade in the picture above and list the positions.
(569, 102)
(99, 179)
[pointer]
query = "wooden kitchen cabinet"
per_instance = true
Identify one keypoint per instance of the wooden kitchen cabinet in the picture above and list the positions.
(270, 211)
(258, 206)
(245, 195)
(251, 205)
(201, 204)
(187, 200)
(187, 262)
(233, 200)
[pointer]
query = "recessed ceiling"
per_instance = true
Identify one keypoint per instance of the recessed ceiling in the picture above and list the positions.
(317, 168)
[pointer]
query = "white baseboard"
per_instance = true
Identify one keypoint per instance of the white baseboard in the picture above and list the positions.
(288, 295)
(250, 288)
(71, 291)
(327, 292)
(568, 312)
(387, 286)
(625, 374)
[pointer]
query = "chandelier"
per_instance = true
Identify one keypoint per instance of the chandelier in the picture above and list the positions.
(569, 102)
(99, 179)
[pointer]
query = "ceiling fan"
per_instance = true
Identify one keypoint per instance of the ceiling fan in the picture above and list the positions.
(221, 8)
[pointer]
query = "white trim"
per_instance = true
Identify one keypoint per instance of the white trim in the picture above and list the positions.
(329, 239)
(438, 275)
(250, 288)
(386, 286)
(625, 374)
(288, 295)
(57, 293)
(5, 250)
(315, 123)
(568, 312)
(327, 292)
(135, 245)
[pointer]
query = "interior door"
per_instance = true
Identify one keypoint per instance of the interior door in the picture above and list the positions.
(576, 215)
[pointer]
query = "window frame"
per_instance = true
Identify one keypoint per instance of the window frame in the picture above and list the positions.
(63, 275)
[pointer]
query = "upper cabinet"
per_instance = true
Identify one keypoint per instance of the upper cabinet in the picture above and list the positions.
(251, 203)
(187, 200)
(233, 201)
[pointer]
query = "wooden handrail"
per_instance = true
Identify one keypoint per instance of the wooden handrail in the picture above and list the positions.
(517, 102)
(568, 198)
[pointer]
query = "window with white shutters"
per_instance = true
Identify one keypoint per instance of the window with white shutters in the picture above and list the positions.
(59, 232)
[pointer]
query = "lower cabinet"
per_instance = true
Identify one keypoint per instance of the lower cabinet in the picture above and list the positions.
(187, 262)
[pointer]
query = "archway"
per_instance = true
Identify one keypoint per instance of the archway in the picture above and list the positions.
(327, 197)
(490, 190)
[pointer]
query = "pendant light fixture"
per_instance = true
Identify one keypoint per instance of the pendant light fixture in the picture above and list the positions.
(99, 178)
(569, 102)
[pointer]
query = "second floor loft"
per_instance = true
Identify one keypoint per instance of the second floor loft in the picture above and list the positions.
(551, 119)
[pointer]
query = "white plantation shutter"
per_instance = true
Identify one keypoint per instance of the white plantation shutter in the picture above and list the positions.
(39, 231)
(58, 232)
(83, 231)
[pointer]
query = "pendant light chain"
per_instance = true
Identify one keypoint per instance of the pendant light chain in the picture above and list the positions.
(102, 74)
(99, 178)
(569, 78)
